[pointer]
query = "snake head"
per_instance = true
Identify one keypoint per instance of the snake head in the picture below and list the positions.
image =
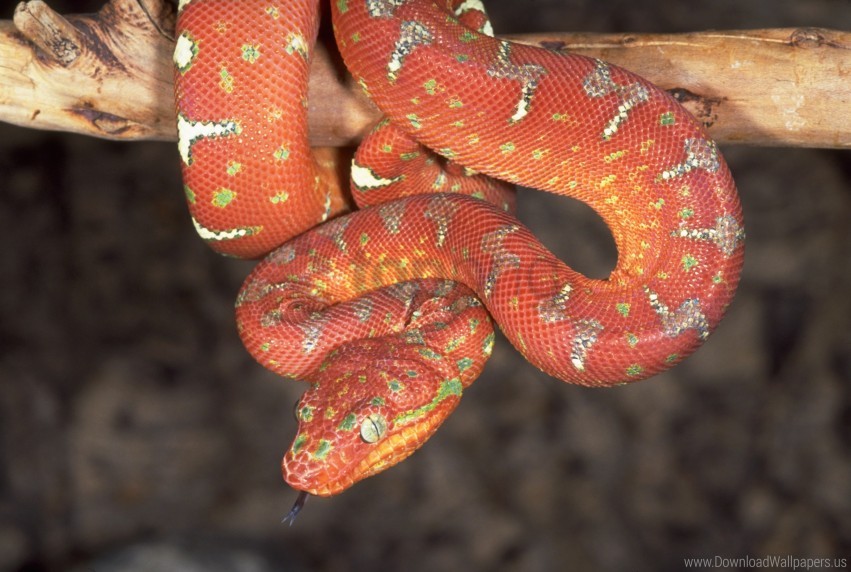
(357, 420)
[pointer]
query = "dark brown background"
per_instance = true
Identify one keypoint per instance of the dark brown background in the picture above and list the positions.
(136, 433)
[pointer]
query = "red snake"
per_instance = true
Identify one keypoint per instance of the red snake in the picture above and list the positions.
(385, 311)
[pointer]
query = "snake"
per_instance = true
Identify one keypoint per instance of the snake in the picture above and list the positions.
(382, 291)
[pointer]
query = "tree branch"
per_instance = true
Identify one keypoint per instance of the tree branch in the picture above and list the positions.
(109, 75)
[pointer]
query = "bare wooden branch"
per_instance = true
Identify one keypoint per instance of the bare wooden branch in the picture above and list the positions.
(109, 75)
(50, 32)
(104, 75)
(775, 87)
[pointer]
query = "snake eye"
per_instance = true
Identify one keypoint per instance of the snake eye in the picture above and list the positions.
(373, 428)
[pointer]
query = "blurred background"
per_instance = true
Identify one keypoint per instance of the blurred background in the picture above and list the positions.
(137, 434)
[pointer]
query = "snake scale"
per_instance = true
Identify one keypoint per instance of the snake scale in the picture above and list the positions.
(387, 311)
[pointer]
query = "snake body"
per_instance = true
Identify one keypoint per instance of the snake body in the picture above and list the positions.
(383, 310)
